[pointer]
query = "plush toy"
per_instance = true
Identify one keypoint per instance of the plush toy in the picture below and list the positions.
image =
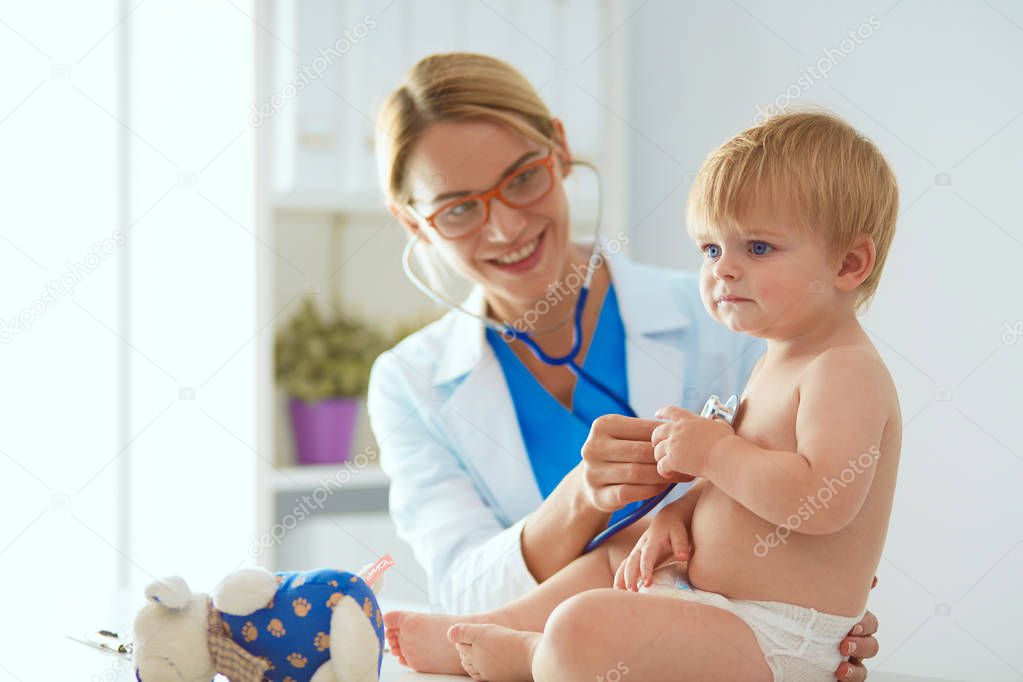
(318, 626)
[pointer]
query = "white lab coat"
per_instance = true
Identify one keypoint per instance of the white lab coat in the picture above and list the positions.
(461, 481)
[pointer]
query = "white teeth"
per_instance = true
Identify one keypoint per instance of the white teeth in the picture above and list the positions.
(519, 255)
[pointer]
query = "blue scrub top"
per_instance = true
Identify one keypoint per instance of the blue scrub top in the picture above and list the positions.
(552, 434)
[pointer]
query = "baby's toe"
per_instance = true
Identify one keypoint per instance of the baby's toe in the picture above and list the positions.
(463, 633)
(465, 656)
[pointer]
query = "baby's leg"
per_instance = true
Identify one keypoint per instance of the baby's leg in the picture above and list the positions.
(419, 640)
(588, 572)
(645, 637)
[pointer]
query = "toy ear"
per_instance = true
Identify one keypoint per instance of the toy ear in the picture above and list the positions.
(244, 591)
(171, 592)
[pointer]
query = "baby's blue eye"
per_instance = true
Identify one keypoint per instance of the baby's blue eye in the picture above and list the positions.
(712, 251)
(761, 248)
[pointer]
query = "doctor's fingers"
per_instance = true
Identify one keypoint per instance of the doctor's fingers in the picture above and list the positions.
(625, 428)
(611, 473)
(613, 497)
(604, 450)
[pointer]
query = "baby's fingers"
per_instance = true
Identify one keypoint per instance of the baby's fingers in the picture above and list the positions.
(679, 543)
(619, 582)
(632, 570)
(646, 562)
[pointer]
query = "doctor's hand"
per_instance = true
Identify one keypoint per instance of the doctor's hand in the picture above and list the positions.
(682, 445)
(618, 464)
(860, 643)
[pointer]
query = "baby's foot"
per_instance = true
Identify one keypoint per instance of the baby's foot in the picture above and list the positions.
(419, 640)
(495, 653)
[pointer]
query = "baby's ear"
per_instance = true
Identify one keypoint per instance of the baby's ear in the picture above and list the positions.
(244, 591)
(172, 592)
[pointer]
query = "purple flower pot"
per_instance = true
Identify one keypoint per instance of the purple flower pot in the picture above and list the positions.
(323, 430)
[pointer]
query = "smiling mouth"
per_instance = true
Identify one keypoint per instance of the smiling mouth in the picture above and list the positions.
(520, 254)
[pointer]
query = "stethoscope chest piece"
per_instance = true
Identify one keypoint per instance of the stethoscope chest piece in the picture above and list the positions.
(726, 411)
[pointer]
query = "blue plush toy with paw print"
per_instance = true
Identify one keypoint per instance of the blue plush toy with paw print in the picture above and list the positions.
(318, 626)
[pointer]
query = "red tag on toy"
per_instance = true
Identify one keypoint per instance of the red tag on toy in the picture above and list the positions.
(378, 568)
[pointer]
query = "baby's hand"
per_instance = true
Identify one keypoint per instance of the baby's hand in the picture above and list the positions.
(665, 536)
(682, 444)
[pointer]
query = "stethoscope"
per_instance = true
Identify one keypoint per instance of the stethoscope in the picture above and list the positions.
(713, 408)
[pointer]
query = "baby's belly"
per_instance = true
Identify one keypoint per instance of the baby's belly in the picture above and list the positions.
(742, 556)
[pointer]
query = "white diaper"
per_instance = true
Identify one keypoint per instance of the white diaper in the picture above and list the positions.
(799, 644)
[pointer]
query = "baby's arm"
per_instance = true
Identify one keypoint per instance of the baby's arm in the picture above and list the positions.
(839, 423)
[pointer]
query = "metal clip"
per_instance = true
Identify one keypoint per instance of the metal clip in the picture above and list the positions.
(106, 641)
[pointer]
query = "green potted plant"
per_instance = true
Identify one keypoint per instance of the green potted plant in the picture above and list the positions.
(323, 364)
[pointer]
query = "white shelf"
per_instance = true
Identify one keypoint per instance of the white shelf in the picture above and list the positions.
(345, 475)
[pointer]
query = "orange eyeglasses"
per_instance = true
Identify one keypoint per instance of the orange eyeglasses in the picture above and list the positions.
(463, 216)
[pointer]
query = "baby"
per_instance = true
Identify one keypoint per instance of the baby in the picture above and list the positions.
(771, 552)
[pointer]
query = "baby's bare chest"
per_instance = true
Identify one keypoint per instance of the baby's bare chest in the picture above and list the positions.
(767, 410)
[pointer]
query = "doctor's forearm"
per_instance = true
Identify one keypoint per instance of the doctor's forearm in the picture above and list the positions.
(557, 531)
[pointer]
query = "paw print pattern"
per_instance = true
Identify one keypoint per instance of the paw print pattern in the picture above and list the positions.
(332, 583)
(367, 608)
(301, 606)
(279, 579)
(354, 579)
(334, 600)
(298, 582)
(289, 678)
(380, 620)
(276, 627)
(249, 632)
(297, 660)
(321, 641)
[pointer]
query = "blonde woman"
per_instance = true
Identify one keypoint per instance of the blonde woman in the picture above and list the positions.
(503, 467)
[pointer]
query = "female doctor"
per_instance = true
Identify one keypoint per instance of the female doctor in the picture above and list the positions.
(504, 467)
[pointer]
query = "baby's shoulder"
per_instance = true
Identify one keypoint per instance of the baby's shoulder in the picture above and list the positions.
(849, 366)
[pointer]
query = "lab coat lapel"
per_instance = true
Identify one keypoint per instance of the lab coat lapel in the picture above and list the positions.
(480, 416)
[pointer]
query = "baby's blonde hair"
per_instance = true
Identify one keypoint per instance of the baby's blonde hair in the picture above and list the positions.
(451, 87)
(832, 179)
